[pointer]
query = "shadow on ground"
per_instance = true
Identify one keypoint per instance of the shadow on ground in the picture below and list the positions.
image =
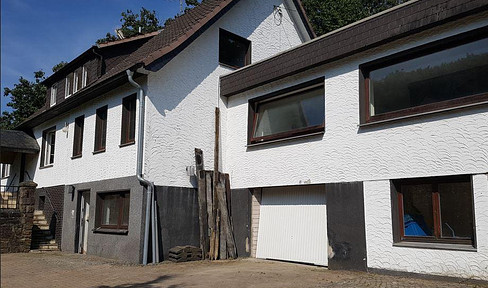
(151, 283)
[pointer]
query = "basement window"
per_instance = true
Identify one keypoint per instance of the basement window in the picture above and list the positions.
(434, 210)
(113, 210)
(295, 111)
(437, 76)
(234, 50)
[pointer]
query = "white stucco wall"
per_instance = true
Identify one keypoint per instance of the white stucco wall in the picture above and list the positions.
(115, 162)
(383, 255)
(441, 144)
(184, 93)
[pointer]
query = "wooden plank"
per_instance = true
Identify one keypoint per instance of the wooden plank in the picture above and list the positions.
(228, 193)
(217, 234)
(210, 212)
(225, 221)
(202, 202)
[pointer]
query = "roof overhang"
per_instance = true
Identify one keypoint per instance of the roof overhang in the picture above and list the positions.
(14, 141)
(398, 22)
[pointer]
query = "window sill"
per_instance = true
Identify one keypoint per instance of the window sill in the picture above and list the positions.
(46, 166)
(284, 139)
(437, 246)
(127, 144)
(98, 151)
(416, 115)
(76, 157)
(111, 231)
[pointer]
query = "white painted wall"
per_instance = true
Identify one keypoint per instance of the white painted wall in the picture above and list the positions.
(442, 144)
(115, 162)
(383, 255)
(184, 93)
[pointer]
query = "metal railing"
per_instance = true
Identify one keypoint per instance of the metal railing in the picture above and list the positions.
(9, 197)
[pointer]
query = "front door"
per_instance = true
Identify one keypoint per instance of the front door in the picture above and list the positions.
(85, 219)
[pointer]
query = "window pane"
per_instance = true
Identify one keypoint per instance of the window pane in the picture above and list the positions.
(456, 210)
(233, 49)
(417, 210)
(290, 113)
(51, 142)
(445, 75)
(110, 212)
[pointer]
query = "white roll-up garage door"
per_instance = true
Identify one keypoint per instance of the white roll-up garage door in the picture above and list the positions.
(293, 224)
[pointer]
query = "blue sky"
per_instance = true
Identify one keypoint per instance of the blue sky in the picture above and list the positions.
(38, 34)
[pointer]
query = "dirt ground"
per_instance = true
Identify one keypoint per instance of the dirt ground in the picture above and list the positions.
(56, 269)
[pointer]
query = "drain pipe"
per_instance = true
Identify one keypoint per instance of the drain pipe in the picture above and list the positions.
(140, 176)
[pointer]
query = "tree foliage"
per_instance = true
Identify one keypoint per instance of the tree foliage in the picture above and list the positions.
(146, 20)
(329, 15)
(58, 66)
(25, 98)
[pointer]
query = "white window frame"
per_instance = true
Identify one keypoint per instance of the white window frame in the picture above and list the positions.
(75, 82)
(66, 88)
(84, 76)
(54, 92)
(48, 147)
(5, 170)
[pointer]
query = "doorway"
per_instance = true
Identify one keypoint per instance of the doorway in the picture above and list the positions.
(84, 221)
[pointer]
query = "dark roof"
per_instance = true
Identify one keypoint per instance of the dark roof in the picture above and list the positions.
(409, 18)
(17, 141)
(175, 36)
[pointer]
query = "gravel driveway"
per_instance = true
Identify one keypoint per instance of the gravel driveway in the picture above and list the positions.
(56, 269)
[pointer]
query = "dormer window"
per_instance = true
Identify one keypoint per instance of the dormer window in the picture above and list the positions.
(76, 81)
(69, 86)
(234, 50)
(54, 92)
(84, 75)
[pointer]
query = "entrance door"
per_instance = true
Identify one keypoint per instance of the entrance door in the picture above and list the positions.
(85, 218)
(292, 224)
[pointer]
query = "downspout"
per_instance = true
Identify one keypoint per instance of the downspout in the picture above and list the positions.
(140, 176)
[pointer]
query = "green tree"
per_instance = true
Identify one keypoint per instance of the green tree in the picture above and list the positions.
(146, 21)
(329, 15)
(58, 66)
(25, 98)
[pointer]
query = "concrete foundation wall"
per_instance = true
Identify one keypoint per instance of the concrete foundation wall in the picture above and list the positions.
(124, 247)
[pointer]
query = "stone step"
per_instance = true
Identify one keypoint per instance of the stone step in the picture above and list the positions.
(40, 222)
(39, 217)
(49, 247)
(39, 242)
(41, 232)
(38, 212)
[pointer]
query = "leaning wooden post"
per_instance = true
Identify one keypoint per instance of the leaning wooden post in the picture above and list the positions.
(202, 202)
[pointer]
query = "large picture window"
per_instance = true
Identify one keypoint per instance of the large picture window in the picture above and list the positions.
(48, 143)
(113, 210)
(295, 111)
(437, 76)
(438, 209)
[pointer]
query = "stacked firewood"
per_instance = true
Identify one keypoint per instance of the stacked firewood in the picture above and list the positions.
(185, 253)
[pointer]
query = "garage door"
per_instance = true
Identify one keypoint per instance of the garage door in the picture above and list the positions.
(292, 224)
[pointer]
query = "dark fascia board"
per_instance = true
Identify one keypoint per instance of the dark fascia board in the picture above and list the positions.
(304, 18)
(76, 100)
(398, 22)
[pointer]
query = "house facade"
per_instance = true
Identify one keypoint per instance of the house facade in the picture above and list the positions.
(93, 157)
(366, 148)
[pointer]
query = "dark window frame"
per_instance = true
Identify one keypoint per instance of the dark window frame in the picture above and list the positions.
(416, 52)
(128, 128)
(101, 129)
(235, 37)
(78, 136)
(120, 206)
(398, 211)
(253, 113)
(45, 133)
